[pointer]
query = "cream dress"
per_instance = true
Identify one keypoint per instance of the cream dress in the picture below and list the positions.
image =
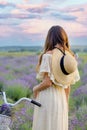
(53, 114)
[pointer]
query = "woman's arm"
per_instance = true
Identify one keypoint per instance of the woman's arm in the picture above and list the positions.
(67, 91)
(43, 85)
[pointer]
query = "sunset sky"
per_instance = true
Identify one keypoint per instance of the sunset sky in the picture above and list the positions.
(26, 22)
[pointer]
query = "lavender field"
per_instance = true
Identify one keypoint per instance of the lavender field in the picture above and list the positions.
(17, 78)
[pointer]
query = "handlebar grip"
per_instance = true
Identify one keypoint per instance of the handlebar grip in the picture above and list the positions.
(36, 103)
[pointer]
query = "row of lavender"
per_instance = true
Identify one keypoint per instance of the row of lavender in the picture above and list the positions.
(18, 75)
(17, 78)
(78, 98)
(18, 70)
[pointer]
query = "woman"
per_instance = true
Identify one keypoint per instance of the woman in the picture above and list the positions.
(54, 88)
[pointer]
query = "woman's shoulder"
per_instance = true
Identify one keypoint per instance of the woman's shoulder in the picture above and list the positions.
(47, 56)
(49, 52)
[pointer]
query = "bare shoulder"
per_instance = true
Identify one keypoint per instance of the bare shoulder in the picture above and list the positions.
(49, 52)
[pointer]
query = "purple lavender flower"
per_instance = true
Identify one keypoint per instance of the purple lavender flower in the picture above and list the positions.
(5, 110)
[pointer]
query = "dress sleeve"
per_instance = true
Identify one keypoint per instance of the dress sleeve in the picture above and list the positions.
(45, 66)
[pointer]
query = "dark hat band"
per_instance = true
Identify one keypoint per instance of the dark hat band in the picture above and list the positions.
(62, 62)
(62, 65)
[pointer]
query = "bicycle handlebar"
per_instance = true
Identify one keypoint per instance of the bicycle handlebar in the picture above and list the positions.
(21, 99)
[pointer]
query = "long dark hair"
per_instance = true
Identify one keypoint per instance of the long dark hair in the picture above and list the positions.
(56, 35)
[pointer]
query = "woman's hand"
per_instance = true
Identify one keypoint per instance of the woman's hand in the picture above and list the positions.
(46, 83)
(35, 91)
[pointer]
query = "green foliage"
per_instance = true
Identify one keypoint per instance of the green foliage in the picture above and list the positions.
(74, 102)
(75, 86)
(16, 92)
(25, 126)
(83, 56)
(1, 101)
(1, 86)
(81, 112)
(80, 100)
(71, 106)
(31, 66)
(17, 54)
(10, 76)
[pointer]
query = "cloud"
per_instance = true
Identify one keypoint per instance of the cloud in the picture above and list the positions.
(58, 1)
(5, 31)
(19, 16)
(26, 0)
(35, 20)
(78, 11)
(63, 16)
(74, 9)
(76, 29)
(9, 23)
(4, 4)
(40, 8)
(44, 11)
(81, 15)
(35, 26)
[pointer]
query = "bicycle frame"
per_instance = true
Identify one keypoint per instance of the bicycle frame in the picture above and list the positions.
(4, 119)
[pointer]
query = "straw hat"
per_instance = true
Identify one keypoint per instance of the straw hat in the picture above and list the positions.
(63, 66)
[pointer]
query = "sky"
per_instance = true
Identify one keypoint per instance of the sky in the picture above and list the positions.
(26, 22)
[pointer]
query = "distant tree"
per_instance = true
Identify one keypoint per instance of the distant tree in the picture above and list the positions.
(76, 50)
(85, 50)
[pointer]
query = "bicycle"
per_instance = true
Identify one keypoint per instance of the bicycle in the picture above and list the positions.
(4, 119)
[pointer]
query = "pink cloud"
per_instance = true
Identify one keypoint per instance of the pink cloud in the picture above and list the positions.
(36, 26)
(77, 27)
(26, 0)
(81, 15)
(40, 27)
(16, 11)
(6, 31)
(31, 6)
(3, 3)
(79, 11)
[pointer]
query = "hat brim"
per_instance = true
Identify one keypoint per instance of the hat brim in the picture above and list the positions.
(56, 69)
